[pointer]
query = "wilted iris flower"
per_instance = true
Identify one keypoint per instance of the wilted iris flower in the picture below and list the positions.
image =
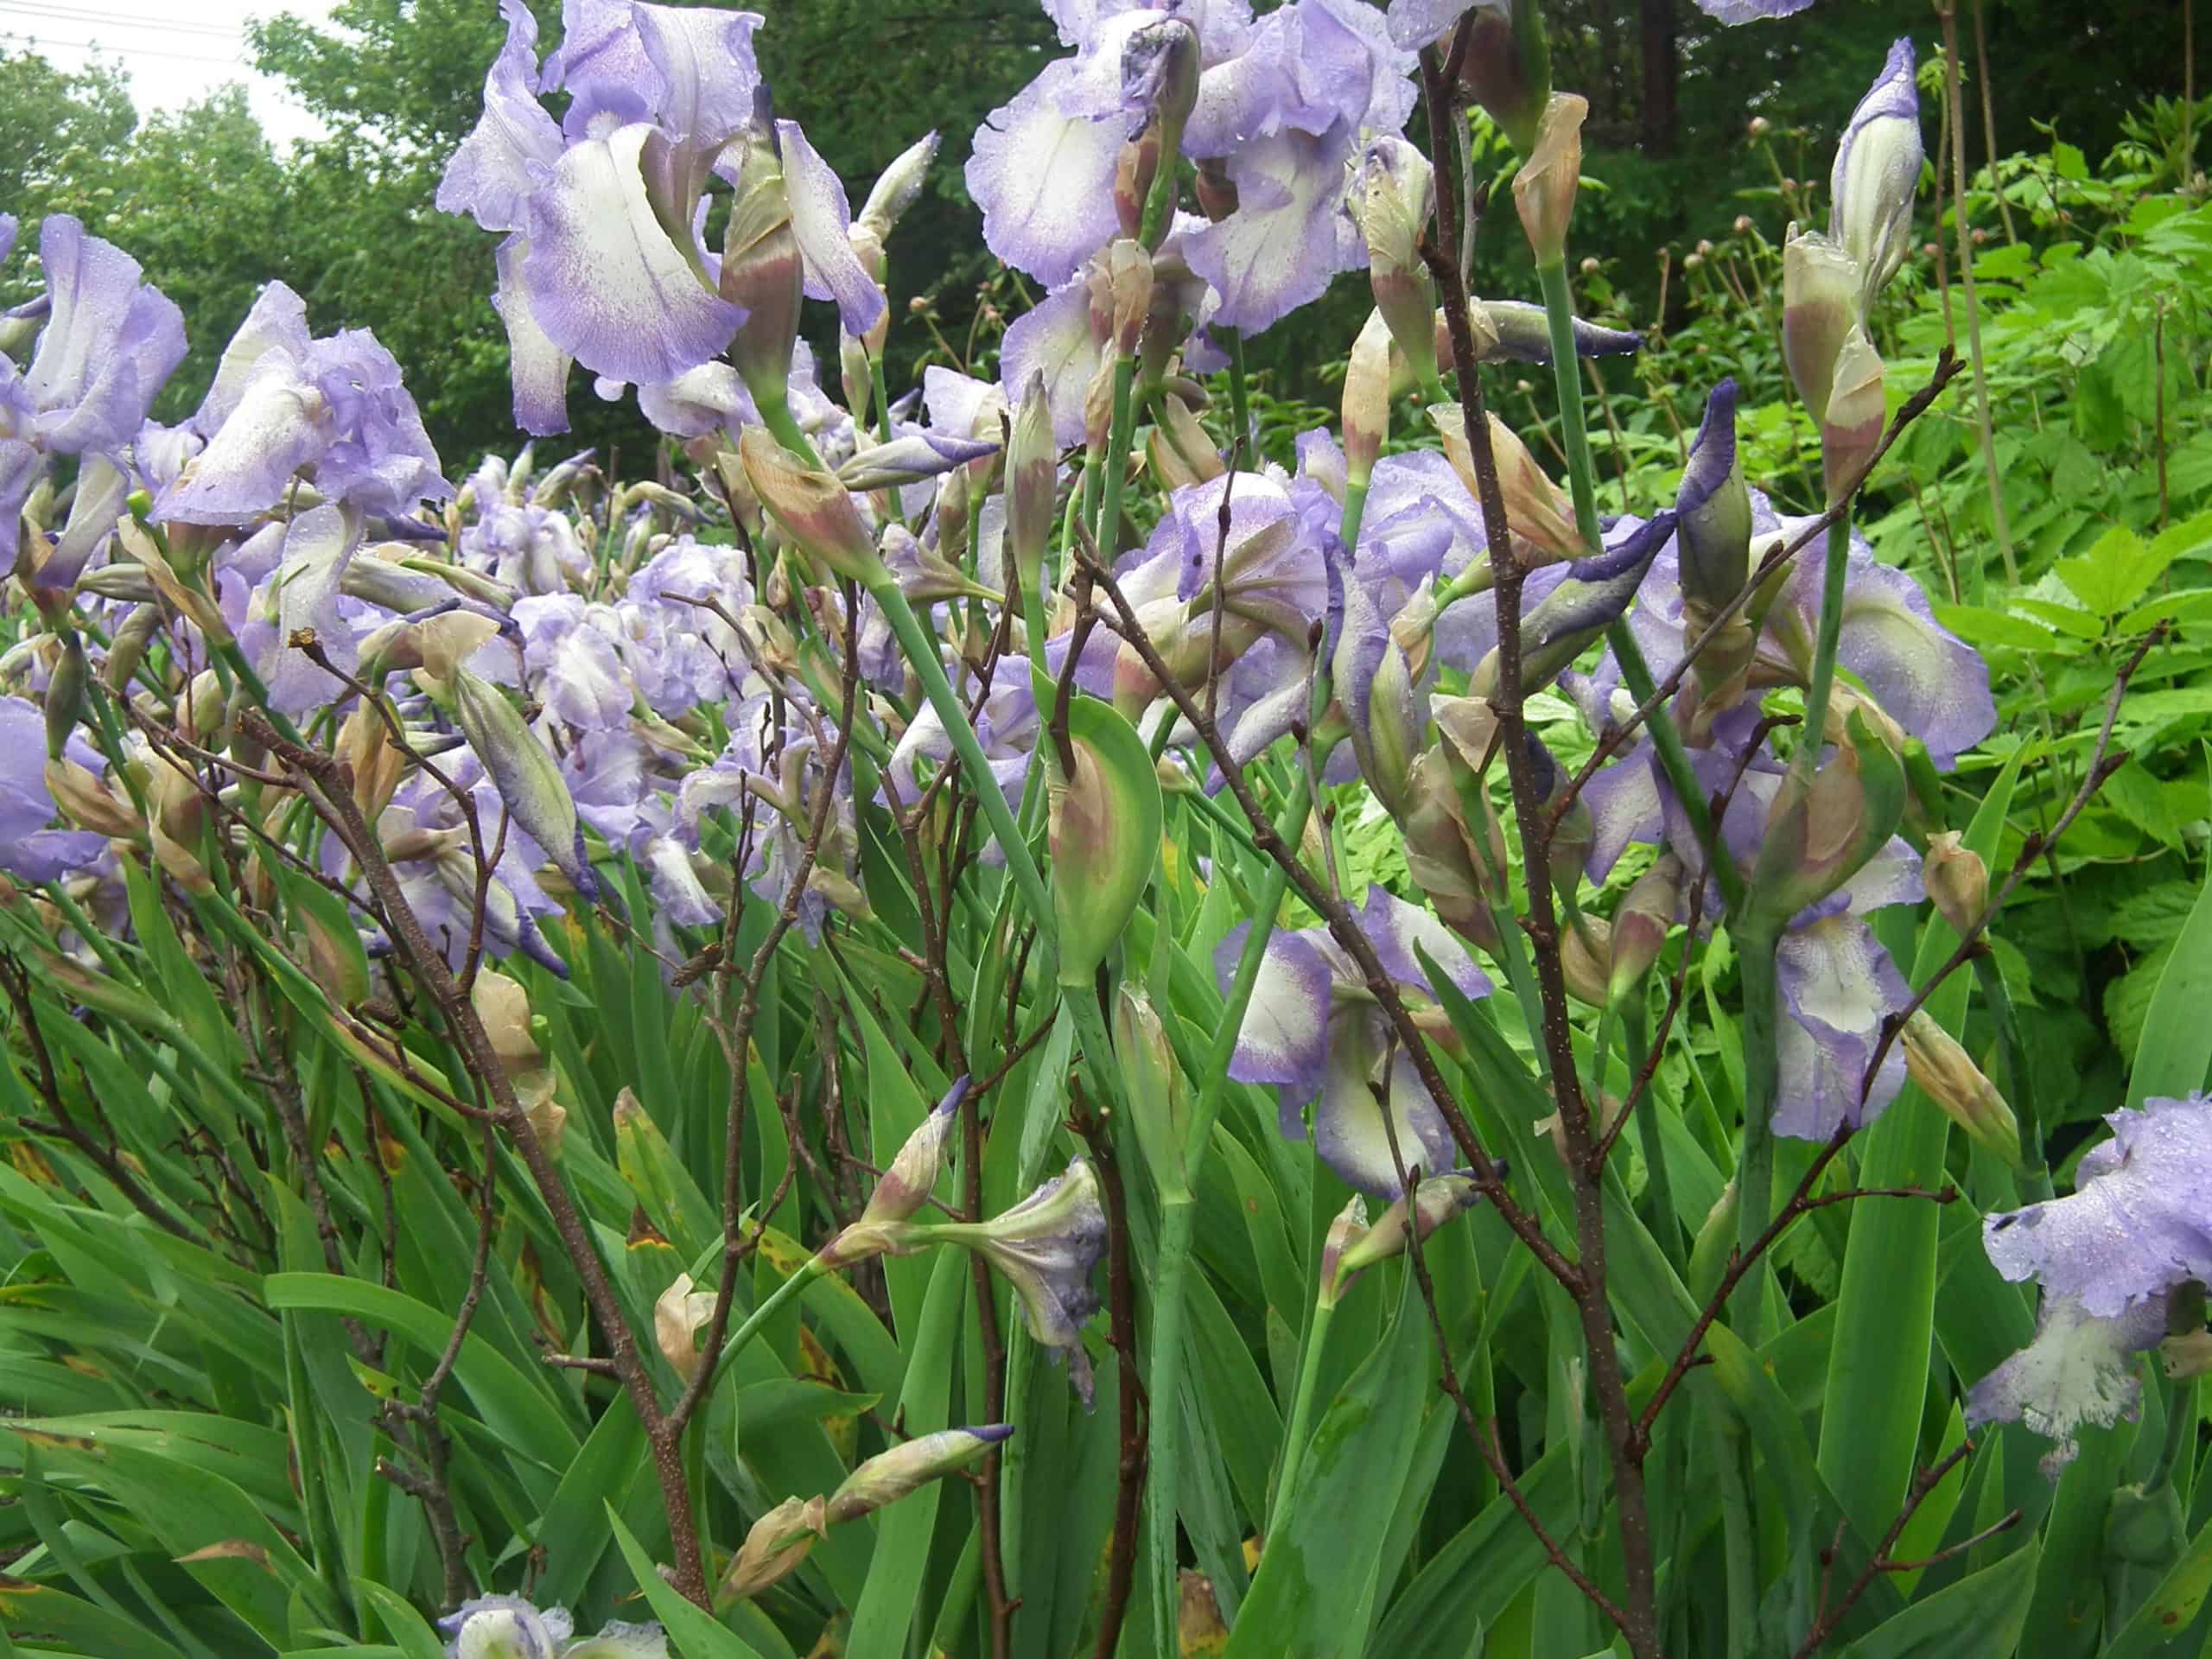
(507, 1627)
(1315, 1030)
(2109, 1256)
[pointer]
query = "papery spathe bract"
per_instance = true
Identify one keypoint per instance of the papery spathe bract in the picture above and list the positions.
(1820, 290)
(815, 511)
(1544, 188)
(778, 1541)
(1435, 1200)
(528, 779)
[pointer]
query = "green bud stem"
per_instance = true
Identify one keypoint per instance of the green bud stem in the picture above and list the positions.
(734, 1344)
(1301, 1412)
(1117, 455)
(1755, 967)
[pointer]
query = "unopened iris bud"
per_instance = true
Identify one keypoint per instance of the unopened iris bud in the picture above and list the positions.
(65, 693)
(1819, 835)
(1182, 454)
(1367, 399)
(1956, 880)
(1715, 1241)
(1440, 852)
(1712, 511)
(1514, 330)
(1346, 1230)
(1436, 1200)
(905, 1188)
(1544, 188)
(1585, 946)
(1876, 174)
(1535, 510)
(774, 1548)
(528, 779)
(889, 1476)
(1033, 477)
(1158, 1097)
(1392, 197)
(1120, 280)
(1507, 68)
(1819, 307)
(762, 268)
(1104, 825)
(1641, 925)
(1569, 620)
(896, 189)
(86, 801)
(811, 507)
(1851, 430)
(1947, 1076)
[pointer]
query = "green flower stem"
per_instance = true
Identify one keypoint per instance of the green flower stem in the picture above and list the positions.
(882, 405)
(1635, 673)
(776, 416)
(1355, 511)
(1740, 1534)
(1164, 1386)
(1822, 685)
(234, 659)
(2019, 1085)
(1240, 406)
(1754, 948)
(923, 658)
(1117, 455)
(735, 1342)
(1301, 1412)
(1666, 1226)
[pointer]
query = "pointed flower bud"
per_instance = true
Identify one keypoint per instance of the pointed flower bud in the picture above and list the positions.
(1567, 621)
(528, 779)
(87, 800)
(1436, 1200)
(1367, 399)
(778, 1541)
(1820, 306)
(1032, 478)
(905, 1188)
(1876, 174)
(1508, 66)
(1159, 77)
(1159, 1099)
(811, 507)
(1712, 511)
(1103, 825)
(1544, 188)
(1393, 195)
(1853, 428)
(1534, 508)
(1947, 1076)
(1819, 835)
(889, 1476)
(1514, 330)
(1120, 279)
(896, 189)
(1441, 854)
(1956, 878)
(1641, 924)
(1346, 1230)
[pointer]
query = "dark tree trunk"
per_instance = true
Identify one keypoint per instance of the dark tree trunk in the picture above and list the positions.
(1658, 17)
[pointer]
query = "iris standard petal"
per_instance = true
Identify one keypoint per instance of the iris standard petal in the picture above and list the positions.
(820, 214)
(1284, 1039)
(514, 143)
(1045, 179)
(1287, 237)
(1053, 339)
(607, 284)
(1838, 985)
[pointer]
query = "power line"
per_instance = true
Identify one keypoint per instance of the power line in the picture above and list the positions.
(40, 43)
(73, 14)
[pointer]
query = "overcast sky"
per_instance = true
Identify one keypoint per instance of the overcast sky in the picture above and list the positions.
(175, 51)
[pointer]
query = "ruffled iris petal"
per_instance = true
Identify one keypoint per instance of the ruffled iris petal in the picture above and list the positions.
(1837, 985)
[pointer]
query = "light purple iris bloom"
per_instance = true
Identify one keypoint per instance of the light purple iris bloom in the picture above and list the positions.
(572, 666)
(285, 406)
(681, 654)
(1006, 726)
(2109, 1256)
(31, 848)
(108, 343)
(1314, 1032)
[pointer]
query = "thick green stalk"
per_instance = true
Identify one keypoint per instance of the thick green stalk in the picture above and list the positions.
(2019, 1085)
(1762, 1079)
(1165, 1382)
(1355, 510)
(1635, 673)
(776, 416)
(1240, 405)
(915, 642)
(1301, 1412)
(1822, 685)
(1117, 455)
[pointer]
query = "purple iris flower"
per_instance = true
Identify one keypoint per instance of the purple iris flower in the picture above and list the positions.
(1006, 726)
(680, 653)
(2109, 1256)
(1876, 173)
(507, 1627)
(30, 848)
(286, 406)
(108, 343)
(572, 664)
(1314, 1032)
(531, 548)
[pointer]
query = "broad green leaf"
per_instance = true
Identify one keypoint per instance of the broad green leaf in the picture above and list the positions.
(692, 1632)
(2175, 1052)
(1982, 1614)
